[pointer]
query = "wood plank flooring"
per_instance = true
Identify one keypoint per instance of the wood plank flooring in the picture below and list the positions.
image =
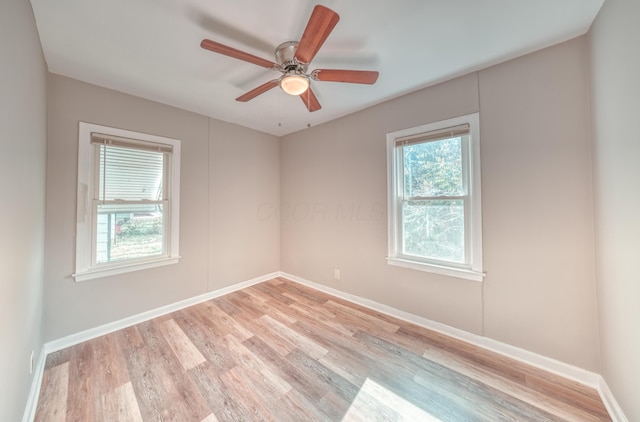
(279, 351)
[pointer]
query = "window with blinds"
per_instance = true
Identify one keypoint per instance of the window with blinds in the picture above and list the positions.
(130, 198)
(130, 204)
(434, 197)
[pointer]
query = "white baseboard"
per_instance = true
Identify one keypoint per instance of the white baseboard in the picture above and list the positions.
(101, 330)
(610, 402)
(34, 392)
(568, 371)
(562, 369)
(73, 339)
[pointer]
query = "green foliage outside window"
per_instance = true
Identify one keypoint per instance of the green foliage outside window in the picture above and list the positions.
(433, 218)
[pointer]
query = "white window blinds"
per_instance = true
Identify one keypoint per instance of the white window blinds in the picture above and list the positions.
(436, 135)
(130, 170)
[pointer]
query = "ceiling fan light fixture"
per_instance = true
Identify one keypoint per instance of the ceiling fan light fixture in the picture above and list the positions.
(294, 84)
(292, 61)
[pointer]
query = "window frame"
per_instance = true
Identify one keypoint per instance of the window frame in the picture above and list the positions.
(86, 218)
(472, 270)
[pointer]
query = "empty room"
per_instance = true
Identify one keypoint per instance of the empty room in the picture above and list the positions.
(441, 227)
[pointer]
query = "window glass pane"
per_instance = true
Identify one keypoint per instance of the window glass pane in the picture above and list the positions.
(433, 168)
(434, 229)
(130, 174)
(128, 232)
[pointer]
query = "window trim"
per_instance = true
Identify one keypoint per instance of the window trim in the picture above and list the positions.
(84, 268)
(472, 271)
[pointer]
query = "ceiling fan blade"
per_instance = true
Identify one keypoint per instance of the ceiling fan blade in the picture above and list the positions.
(257, 91)
(350, 76)
(320, 25)
(216, 47)
(310, 101)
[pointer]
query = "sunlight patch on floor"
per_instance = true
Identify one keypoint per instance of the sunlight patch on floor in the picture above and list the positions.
(374, 402)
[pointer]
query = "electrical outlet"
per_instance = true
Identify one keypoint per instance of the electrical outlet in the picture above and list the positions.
(31, 362)
(336, 274)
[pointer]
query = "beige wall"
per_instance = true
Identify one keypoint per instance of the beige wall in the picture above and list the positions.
(244, 174)
(539, 293)
(23, 123)
(334, 196)
(71, 307)
(615, 66)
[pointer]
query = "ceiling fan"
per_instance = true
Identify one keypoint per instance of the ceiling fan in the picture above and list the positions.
(293, 58)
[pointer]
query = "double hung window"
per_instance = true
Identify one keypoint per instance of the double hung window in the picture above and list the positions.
(434, 198)
(128, 201)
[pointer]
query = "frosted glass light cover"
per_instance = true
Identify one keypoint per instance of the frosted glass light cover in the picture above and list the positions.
(294, 84)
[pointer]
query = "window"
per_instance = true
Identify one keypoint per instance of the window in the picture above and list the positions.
(435, 221)
(128, 201)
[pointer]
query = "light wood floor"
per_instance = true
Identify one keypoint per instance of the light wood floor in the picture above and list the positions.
(279, 351)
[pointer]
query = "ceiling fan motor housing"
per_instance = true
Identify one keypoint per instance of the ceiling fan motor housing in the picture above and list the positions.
(285, 57)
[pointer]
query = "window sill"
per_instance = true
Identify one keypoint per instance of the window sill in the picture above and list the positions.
(437, 269)
(107, 271)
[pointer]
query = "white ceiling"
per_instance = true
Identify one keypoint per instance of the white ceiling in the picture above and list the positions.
(151, 48)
